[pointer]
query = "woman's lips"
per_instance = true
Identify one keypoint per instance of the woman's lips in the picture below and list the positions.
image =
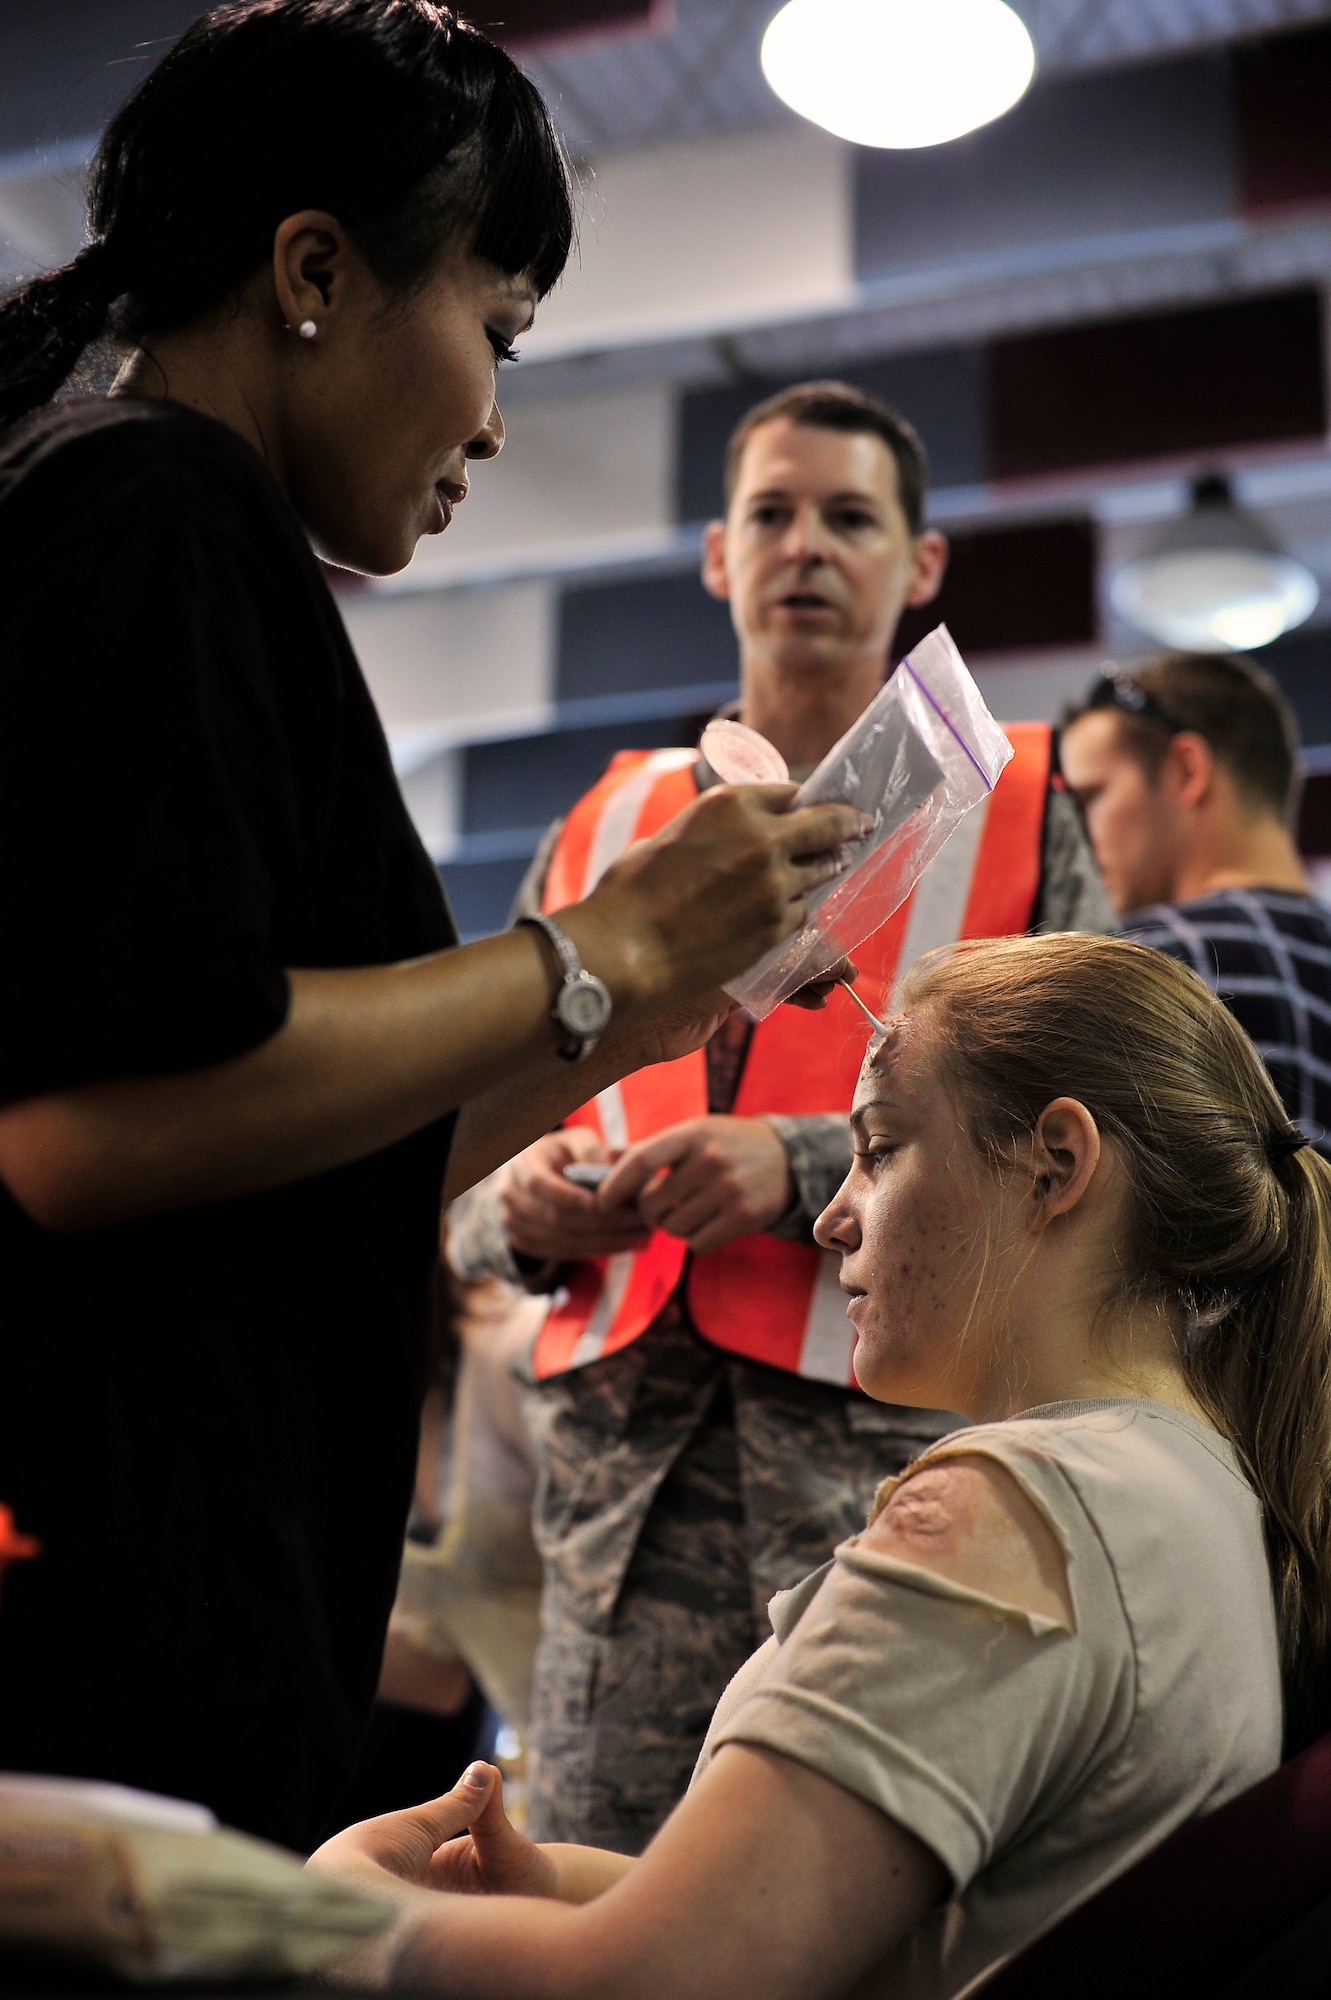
(449, 494)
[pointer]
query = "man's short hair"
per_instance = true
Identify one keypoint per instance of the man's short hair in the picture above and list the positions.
(835, 406)
(1235, 706)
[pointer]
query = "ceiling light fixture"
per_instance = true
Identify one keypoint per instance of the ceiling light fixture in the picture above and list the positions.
(898, 73)
(1214, 580)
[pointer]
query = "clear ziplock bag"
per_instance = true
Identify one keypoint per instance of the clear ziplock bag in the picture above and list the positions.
(922, 754)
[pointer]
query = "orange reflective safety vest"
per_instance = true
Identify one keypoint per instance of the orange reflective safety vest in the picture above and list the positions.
(773, 1301)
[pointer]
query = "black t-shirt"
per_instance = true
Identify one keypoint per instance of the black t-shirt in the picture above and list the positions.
(209, 1418)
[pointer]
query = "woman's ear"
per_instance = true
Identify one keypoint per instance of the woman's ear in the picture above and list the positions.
(310, 256)
(1065, 1152)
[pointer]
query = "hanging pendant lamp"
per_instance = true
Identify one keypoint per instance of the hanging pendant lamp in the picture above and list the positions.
(898, 73)
(1215, 580)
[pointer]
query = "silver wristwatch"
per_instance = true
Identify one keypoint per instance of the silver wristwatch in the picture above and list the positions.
(582, 1004)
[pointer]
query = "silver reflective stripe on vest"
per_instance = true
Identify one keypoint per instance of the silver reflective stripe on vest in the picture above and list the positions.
(938, 908)
(613, 1116)
(829, 1337)
(618, 1271)
(614, 832)
(614, 829)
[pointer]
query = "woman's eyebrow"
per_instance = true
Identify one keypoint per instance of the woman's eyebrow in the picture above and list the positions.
(521, 294)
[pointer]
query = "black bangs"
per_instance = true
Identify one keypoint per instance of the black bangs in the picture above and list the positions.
(473, 149)
(525, 220)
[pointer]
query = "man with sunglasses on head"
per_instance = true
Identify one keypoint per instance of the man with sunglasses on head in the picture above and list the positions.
(1187, 772)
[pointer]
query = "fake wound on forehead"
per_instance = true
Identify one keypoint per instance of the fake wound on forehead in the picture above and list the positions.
(884, 1046)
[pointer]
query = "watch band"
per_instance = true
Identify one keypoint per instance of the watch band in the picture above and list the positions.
(561, 944)
(582, 1006)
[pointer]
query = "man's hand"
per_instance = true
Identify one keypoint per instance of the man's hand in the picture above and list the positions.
(546, 1217)
(708, 1180)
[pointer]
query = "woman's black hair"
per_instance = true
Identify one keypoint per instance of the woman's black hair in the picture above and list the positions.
(404, 122)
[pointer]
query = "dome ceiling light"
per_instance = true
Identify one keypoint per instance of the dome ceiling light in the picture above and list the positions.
(898, 73)
(1215, 580)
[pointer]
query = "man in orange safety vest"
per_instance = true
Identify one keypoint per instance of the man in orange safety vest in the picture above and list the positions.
(700, 1440)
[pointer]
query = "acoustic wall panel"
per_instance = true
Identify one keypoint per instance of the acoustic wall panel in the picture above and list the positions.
(653, 632)
(1283, 85)
(1017, 588)
(1301, 663)
(1248, 372)
(65, 69)
(524, 23)
(530, 781)
(1082, 157)
(943, 393)
(481, 894)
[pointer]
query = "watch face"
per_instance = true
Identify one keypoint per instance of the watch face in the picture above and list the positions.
(584, 1006)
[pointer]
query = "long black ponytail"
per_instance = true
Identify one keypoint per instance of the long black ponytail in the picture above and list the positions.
(404, 122)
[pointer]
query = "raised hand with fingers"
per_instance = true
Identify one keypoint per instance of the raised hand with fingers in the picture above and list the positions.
(546, 1217)
(716, 888)
(707, 1180)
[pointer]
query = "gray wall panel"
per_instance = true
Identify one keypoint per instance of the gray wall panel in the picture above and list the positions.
(653, 632)
(532, 779)
(65, 68)
(1085, 156)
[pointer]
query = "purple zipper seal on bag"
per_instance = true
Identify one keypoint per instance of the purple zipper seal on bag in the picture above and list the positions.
(949, 725)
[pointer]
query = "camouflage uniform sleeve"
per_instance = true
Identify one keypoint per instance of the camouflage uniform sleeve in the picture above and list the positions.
(478, 1245)
(1072, 897)
(819, 1152)
(531, 889)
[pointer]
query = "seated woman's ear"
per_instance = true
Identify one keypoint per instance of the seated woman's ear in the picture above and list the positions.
(1065, 1153)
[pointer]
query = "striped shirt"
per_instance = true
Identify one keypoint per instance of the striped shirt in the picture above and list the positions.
(1267, 954)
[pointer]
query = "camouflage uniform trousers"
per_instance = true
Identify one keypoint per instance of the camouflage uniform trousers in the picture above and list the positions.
(679, 1489)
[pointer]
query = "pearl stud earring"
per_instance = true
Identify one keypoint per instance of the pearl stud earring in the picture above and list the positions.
(307, 329)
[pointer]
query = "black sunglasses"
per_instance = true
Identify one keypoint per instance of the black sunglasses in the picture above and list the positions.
(1118, 691)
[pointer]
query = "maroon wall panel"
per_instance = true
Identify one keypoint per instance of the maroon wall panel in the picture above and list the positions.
(523, 21)
(1250, 372)
(1283, 95)
(1314, 829)
(1009, 588)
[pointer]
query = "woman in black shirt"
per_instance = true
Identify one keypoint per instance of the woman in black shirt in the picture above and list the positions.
(240, 1053)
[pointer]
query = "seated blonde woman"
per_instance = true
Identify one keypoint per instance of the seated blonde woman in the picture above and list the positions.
(1079, 1214)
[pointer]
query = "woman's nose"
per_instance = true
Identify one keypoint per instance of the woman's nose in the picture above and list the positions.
(836, 1228)
(489, 439)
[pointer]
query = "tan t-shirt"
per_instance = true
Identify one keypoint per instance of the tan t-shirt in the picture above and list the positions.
(1035, 1761)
